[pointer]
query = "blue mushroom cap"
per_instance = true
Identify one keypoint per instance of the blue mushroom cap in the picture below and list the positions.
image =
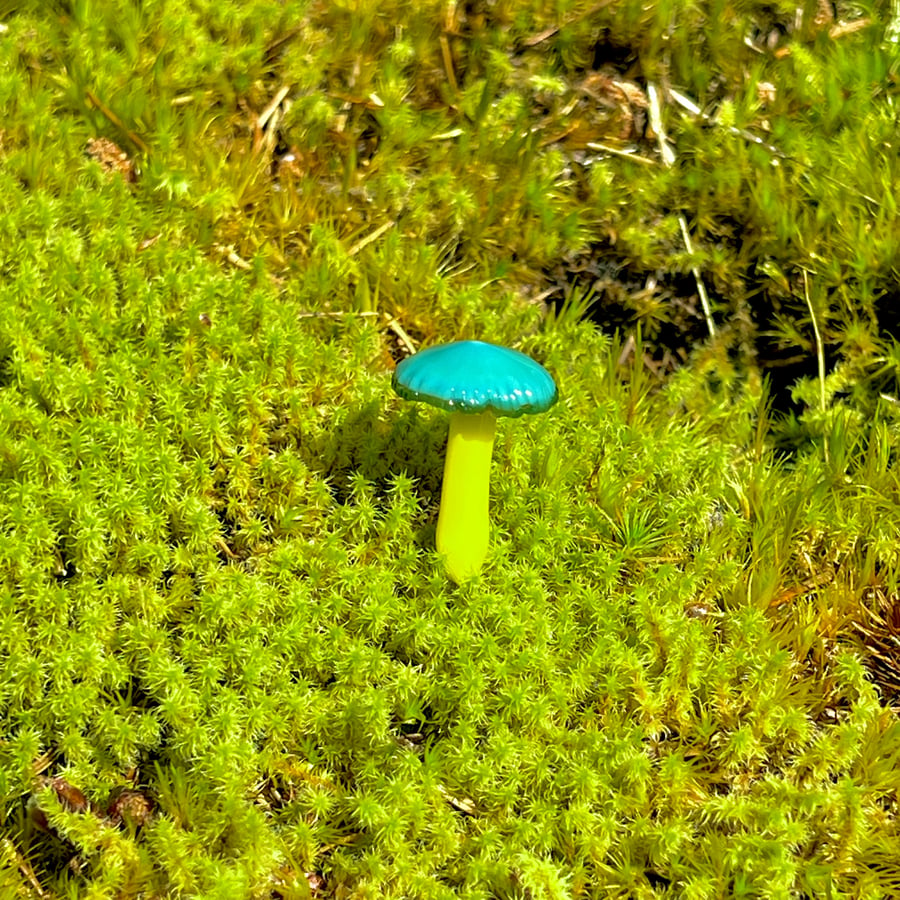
(472, 376)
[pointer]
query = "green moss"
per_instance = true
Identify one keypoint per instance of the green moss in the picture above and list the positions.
(217, 578)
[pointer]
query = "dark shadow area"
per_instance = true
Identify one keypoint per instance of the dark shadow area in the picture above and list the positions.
(367, 443)
(666, 307)
(664, 304)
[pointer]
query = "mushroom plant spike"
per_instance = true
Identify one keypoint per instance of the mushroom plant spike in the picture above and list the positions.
(475, 382)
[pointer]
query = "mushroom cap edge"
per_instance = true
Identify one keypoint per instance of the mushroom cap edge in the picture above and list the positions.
(475, 376)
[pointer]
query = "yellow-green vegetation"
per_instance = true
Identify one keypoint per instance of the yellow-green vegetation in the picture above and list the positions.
(231, 663)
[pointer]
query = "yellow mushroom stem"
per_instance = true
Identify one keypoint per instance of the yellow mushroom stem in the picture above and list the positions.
(462, 528)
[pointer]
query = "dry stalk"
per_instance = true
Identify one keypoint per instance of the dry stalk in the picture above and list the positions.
(668, 158)
(369, 238)
(97, 103)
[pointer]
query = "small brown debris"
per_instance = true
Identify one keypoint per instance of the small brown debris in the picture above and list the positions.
(129, 807)
(112, 158)
(460, 804)
(824, 14)
(842, 29)
(69, 796)
(765, 92)
(604, 108)
(148, 242)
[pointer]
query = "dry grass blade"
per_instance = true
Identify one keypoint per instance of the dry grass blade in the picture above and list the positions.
(668, 157)
(624, 154)
(275, 102)
(369, 238)
(11, 852)
(402, 336)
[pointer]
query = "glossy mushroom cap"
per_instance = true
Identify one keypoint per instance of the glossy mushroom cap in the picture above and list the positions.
(473, 377)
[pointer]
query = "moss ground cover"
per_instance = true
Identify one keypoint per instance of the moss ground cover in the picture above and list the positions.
(232, 665)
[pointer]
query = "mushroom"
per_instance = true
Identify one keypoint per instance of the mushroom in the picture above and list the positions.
(475, 382)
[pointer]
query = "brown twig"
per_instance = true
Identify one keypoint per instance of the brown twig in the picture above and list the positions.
(106, 112)
(335, 314)
(448, 62)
